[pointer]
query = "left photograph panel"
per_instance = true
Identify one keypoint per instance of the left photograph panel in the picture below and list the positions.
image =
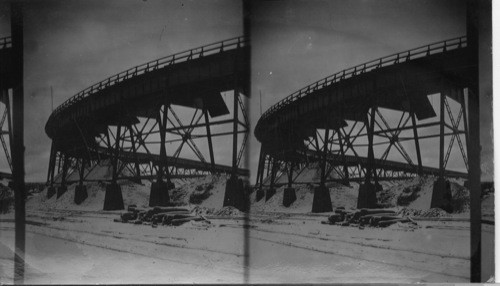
(135, 133)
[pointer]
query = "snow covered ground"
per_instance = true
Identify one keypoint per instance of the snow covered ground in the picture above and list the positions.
(68, 243)
(87, 247)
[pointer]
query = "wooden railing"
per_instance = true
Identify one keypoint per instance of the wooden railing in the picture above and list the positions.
(214, 48)
(427, 50)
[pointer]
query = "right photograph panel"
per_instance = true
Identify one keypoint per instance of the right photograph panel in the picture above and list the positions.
(366, 146)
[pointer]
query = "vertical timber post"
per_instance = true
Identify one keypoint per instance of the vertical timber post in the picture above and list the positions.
(417, 143)
(134, 150)
(442, 97)
(51, 164)
(81, 189)
(209, 138)
(345, 181)
(82, 171)
(163, 152)
(290, 174)
(370, 129)
(9, 120)
(113, 200)
(465, 122)
(63, 188)
(259, 167)
(272, 189)
(260, 175)
(268, 170)
(440, 193)
(59, 160)
(473, 149)
(170, 185)
(116, 153)
(234, 195)
(321, 199)
(235, 132)
(51, 190)
(325, 153)
(18, 139)
(367, 197)
(159, 190)
(289, 195)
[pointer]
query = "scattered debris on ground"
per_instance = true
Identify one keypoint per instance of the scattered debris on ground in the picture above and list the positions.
(434, 212)
(174, 216)
(367, 217)
(229, 211)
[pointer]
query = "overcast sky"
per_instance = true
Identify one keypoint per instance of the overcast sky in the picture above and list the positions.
(295, 43)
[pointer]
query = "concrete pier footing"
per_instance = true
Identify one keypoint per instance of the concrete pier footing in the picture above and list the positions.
(61, 190)
(321, 200)
(51, 191)
(80, 194)
(113, 200)
(441, 195)
(289, 196)
(270, 193)
(259, 194)
(367, 197)
(159, 195)
(235, 194)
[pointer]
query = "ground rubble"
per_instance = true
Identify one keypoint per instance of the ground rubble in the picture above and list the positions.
(433, 212)
(368, 218)
(173, 216)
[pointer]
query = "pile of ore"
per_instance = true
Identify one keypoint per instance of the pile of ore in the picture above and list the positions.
(159, 215)
(367, 217)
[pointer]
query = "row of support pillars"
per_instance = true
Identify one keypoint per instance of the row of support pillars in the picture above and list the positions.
(367, 197)
(159, 189)
(80, 190)
(159, 193)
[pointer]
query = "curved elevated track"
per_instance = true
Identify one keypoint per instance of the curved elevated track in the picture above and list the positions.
(123, 116)
(339, 120)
